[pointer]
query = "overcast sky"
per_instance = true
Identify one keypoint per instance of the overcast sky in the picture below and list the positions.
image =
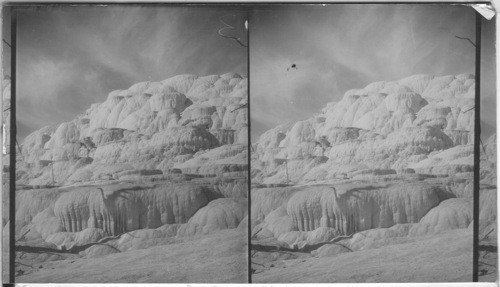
(71, 57)
(341, 47)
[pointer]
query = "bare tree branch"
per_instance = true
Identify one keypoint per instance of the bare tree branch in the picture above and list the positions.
(230, 27)
(463, 38)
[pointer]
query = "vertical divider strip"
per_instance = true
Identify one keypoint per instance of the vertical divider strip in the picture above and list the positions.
(477, 153)
(249, 231)
(12, 151)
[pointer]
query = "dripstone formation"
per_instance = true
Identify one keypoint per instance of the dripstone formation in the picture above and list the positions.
(153, 165)
(388, 164)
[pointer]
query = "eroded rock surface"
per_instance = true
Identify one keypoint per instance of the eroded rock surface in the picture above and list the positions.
(158, 164)
(388, 165)
(387, 126)
(155, 127)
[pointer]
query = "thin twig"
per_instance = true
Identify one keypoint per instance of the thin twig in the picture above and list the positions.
(463, 38)
(227, 26)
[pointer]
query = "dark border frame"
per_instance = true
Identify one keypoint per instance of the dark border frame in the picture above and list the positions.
(247, 3)
(249, 158)
(477, 153)
(12, 6)
(12, 156)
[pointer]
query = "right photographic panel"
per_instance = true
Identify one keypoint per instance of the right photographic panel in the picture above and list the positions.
(362, 133)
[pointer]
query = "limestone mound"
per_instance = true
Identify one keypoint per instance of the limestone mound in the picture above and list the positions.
(223, 213)
(454, 213)
(149, 126)
(360, 208)
(117, 208)
(386, 125)
(379, 237)
(227, 158)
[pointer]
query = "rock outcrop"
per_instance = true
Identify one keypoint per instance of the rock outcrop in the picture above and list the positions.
(352, 206)
(361, 208)
(151, 126)
(120, 208)
(454, 213)
(387, 164)
(223, 213)
(155, 164)
(398, 125)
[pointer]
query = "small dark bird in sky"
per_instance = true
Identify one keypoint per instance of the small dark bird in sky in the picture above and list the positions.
(293, 66)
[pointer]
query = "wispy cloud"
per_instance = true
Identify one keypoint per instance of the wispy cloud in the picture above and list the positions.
(348, 46)
(71, 57)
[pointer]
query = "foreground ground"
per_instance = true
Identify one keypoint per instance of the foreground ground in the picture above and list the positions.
(441, 258)
(215, 258)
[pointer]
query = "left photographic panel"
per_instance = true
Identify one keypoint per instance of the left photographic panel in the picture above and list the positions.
(131, 146)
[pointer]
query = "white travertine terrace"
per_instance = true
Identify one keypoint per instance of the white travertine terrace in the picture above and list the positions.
(387, 163)
(386, 125)
(157, 161)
